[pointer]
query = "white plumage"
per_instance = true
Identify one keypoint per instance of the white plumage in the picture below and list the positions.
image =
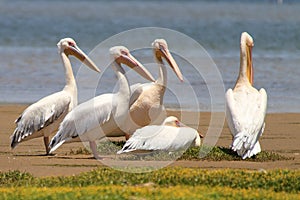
(86, 118)
(246, 106)
(43, 117)
(172, 135)
(101, 115)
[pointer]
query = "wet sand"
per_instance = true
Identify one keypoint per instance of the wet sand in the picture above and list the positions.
(281, 135)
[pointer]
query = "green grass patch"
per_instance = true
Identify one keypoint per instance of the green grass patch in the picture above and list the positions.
(224, 153)
(79, 151)
(194, 153)
(140, 192)
(274, 180)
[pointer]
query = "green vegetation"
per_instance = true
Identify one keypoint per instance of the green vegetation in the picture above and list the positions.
(276, 180)
(167, 183)
(141, 192)
(78, 151)
(193, 153)
(224, 153)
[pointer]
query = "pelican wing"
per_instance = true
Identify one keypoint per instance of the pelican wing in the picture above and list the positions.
(40, 115)
(231, 113)
(160, 138)
(245, 115)
(85, 117)
(136, 91)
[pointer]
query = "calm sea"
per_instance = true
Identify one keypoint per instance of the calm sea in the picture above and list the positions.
(30, 67)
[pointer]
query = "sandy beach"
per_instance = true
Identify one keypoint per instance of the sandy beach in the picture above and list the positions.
(281, 136)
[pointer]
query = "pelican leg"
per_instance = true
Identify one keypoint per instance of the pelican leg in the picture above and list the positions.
(93, 147)
(46, 143)
(127, 136)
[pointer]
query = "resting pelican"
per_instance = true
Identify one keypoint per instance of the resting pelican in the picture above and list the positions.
(147, 99)
(101, 115)
(172, 135)
(246, 106)
(43, 117)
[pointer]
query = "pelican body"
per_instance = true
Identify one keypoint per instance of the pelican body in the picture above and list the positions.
(246, 106)
(98, 117)
(147, 99)
(172, 135)
(42, 118)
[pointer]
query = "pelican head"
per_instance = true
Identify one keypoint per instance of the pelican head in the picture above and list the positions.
(69, 47)
(161, 50)
(122, 55)
(173, 121)
(246, 51)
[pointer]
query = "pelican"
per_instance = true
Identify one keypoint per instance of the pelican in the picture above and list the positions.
(246, 106)
(98, 117)
(172, 135)
(43, 117)
(147, 99)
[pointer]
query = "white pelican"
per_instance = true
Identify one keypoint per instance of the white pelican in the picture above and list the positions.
(43, 117)
(246, 106)
(172, 135)
(98, 117)
(147, 99)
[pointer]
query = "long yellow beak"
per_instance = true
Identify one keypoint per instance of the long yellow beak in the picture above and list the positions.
(78, 53)
(133, 63)
(169, 58)
(249, 65)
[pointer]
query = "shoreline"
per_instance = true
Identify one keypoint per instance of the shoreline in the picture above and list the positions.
(3, 104)
(281, 136)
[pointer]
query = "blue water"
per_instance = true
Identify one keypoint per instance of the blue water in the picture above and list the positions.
(30, 67)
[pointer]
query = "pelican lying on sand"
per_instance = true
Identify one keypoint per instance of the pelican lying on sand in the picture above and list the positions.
(246, 106)
(98, 117)
(172, 135)
(43, 117)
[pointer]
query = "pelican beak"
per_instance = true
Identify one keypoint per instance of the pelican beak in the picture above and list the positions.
(169, 58)
(133, 63)
(249, 65)
(179, 124)
(200, 135)
(78, 53)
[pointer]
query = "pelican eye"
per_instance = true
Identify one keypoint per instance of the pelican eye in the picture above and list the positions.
(71, 44)
(124, 52)
(162, 47)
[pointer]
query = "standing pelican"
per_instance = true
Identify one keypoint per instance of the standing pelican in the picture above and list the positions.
(246, 106)
(43, 117)
(101, 115)
(147, 99)
(172, 135)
